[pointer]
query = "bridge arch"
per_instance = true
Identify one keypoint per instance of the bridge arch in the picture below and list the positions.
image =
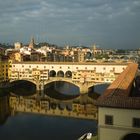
(23, 87)
(68, 74)
(116, 57)
(83, 88)
(62, 80)
(52, 73)
(60, 73)
(15, 81)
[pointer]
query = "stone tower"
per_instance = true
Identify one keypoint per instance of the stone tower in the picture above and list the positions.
(94, 49)
(32, 44)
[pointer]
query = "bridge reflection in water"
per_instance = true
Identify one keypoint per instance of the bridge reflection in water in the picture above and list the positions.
(46, 105)
(50, 102)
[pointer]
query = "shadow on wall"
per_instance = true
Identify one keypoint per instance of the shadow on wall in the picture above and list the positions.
(132, 136)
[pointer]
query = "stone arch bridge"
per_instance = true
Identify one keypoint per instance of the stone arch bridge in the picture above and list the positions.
(83, 75)
(84, 87)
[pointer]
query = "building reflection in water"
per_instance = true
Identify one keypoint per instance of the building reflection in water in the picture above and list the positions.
(11, 104)
(48, 106)
(4, 107)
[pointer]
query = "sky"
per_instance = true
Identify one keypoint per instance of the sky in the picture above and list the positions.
(107, 23)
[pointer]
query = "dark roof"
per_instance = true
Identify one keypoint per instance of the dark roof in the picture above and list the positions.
(119, 102)
(118, 94)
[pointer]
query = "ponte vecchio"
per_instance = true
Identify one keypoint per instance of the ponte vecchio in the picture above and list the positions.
(84, 74)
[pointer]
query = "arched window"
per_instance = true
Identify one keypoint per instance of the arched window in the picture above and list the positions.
(68, 74)
(52, 73)
(60, 73)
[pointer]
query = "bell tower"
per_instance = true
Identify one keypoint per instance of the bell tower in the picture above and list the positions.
(31, 44)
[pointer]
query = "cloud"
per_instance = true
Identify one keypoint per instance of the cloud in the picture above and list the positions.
(106, 22)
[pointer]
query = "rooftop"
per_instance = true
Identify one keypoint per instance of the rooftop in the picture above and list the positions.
(123, 93)
(74, 63)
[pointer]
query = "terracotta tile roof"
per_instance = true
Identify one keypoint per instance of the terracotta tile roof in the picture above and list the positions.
(119, 102)
(118, 93)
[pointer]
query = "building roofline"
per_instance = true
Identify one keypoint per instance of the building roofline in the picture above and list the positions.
(72, 63)
(118, 93)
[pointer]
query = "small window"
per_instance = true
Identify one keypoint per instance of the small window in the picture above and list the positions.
(109, 119)
(136, 122)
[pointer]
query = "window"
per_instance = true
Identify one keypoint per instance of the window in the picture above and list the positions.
(136, 122)
(109, 119)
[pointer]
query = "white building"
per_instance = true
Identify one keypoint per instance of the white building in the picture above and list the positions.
(17, 45)
(25, 50)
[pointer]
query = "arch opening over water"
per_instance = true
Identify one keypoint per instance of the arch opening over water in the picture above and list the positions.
(23, 88)
(100, 88)
(61, 90)
(97, 90)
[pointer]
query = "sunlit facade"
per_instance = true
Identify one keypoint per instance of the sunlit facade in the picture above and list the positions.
(116, 123)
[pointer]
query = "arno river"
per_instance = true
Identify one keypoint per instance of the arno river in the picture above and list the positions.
(30, 126)
(34, 127)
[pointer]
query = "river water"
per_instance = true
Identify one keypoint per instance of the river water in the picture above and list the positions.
(23, 126)
(34, 127)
